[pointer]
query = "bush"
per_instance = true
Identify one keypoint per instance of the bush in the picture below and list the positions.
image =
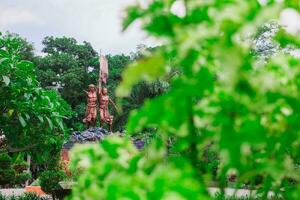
(22, 177)
(19, 167)
(12, 173)
(7, 176)
(5, 161)
(49, 180)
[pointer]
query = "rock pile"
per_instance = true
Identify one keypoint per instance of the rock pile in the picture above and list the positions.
(89, 135)
(94, 135)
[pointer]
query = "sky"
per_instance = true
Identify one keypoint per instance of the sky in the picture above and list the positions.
(94, 21)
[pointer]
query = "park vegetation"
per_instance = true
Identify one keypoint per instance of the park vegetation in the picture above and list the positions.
(217, 105)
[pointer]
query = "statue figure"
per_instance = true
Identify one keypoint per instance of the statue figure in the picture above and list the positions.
(104, 100)
(91, 108)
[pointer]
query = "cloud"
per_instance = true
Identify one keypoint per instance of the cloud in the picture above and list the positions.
(17, 16)
(96, 21)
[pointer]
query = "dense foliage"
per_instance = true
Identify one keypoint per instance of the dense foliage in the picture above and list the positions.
(7, 174)
(50, 179)
(31, 118)
(70, 67)
(65, 67)
(248, 110)
(12, 173)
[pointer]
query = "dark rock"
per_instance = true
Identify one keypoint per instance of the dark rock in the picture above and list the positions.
(89, 135)
(94, 135)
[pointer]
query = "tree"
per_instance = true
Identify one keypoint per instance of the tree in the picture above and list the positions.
(221, 95)
(71, 67)
(26, 49)
(32, 119)
(65, 67)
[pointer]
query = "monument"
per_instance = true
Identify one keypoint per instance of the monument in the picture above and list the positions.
(91, 108)
(103, 99)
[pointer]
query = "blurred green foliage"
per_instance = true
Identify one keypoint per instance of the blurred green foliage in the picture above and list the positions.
(248, 110)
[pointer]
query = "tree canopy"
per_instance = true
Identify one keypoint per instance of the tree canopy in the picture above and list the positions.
(32, 119)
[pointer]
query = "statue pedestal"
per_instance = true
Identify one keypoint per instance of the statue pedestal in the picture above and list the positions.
(90, 135)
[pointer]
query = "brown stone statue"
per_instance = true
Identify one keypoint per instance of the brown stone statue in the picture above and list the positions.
(91, 108)
(104, 100)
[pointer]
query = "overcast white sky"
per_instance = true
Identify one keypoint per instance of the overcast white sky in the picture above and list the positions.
(95, 21)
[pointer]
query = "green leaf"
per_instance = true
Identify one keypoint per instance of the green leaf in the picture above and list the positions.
(6, 80)
(133, 12)
(50, 123)
(27, 116)
(41, 118)
(60, 124)
(22, 121)
(25, 64)
(2, 60)
(147, 69)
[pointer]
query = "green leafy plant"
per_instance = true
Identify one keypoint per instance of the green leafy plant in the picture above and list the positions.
(49, 180)
(7, 174)
(20, 166)
(12, 173)
(5, 160)
(32, 119)
(21, 178)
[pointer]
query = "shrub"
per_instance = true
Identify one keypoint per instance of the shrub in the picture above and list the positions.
(19, 167)
(49, 180)
(22, 177)
(5, 161)
(7, 176)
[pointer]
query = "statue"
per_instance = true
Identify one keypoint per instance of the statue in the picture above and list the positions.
(104, 100)
(91, 108)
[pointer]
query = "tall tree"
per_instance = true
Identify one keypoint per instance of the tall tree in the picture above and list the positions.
(66, 67)
(25, 50)
(31, 118)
